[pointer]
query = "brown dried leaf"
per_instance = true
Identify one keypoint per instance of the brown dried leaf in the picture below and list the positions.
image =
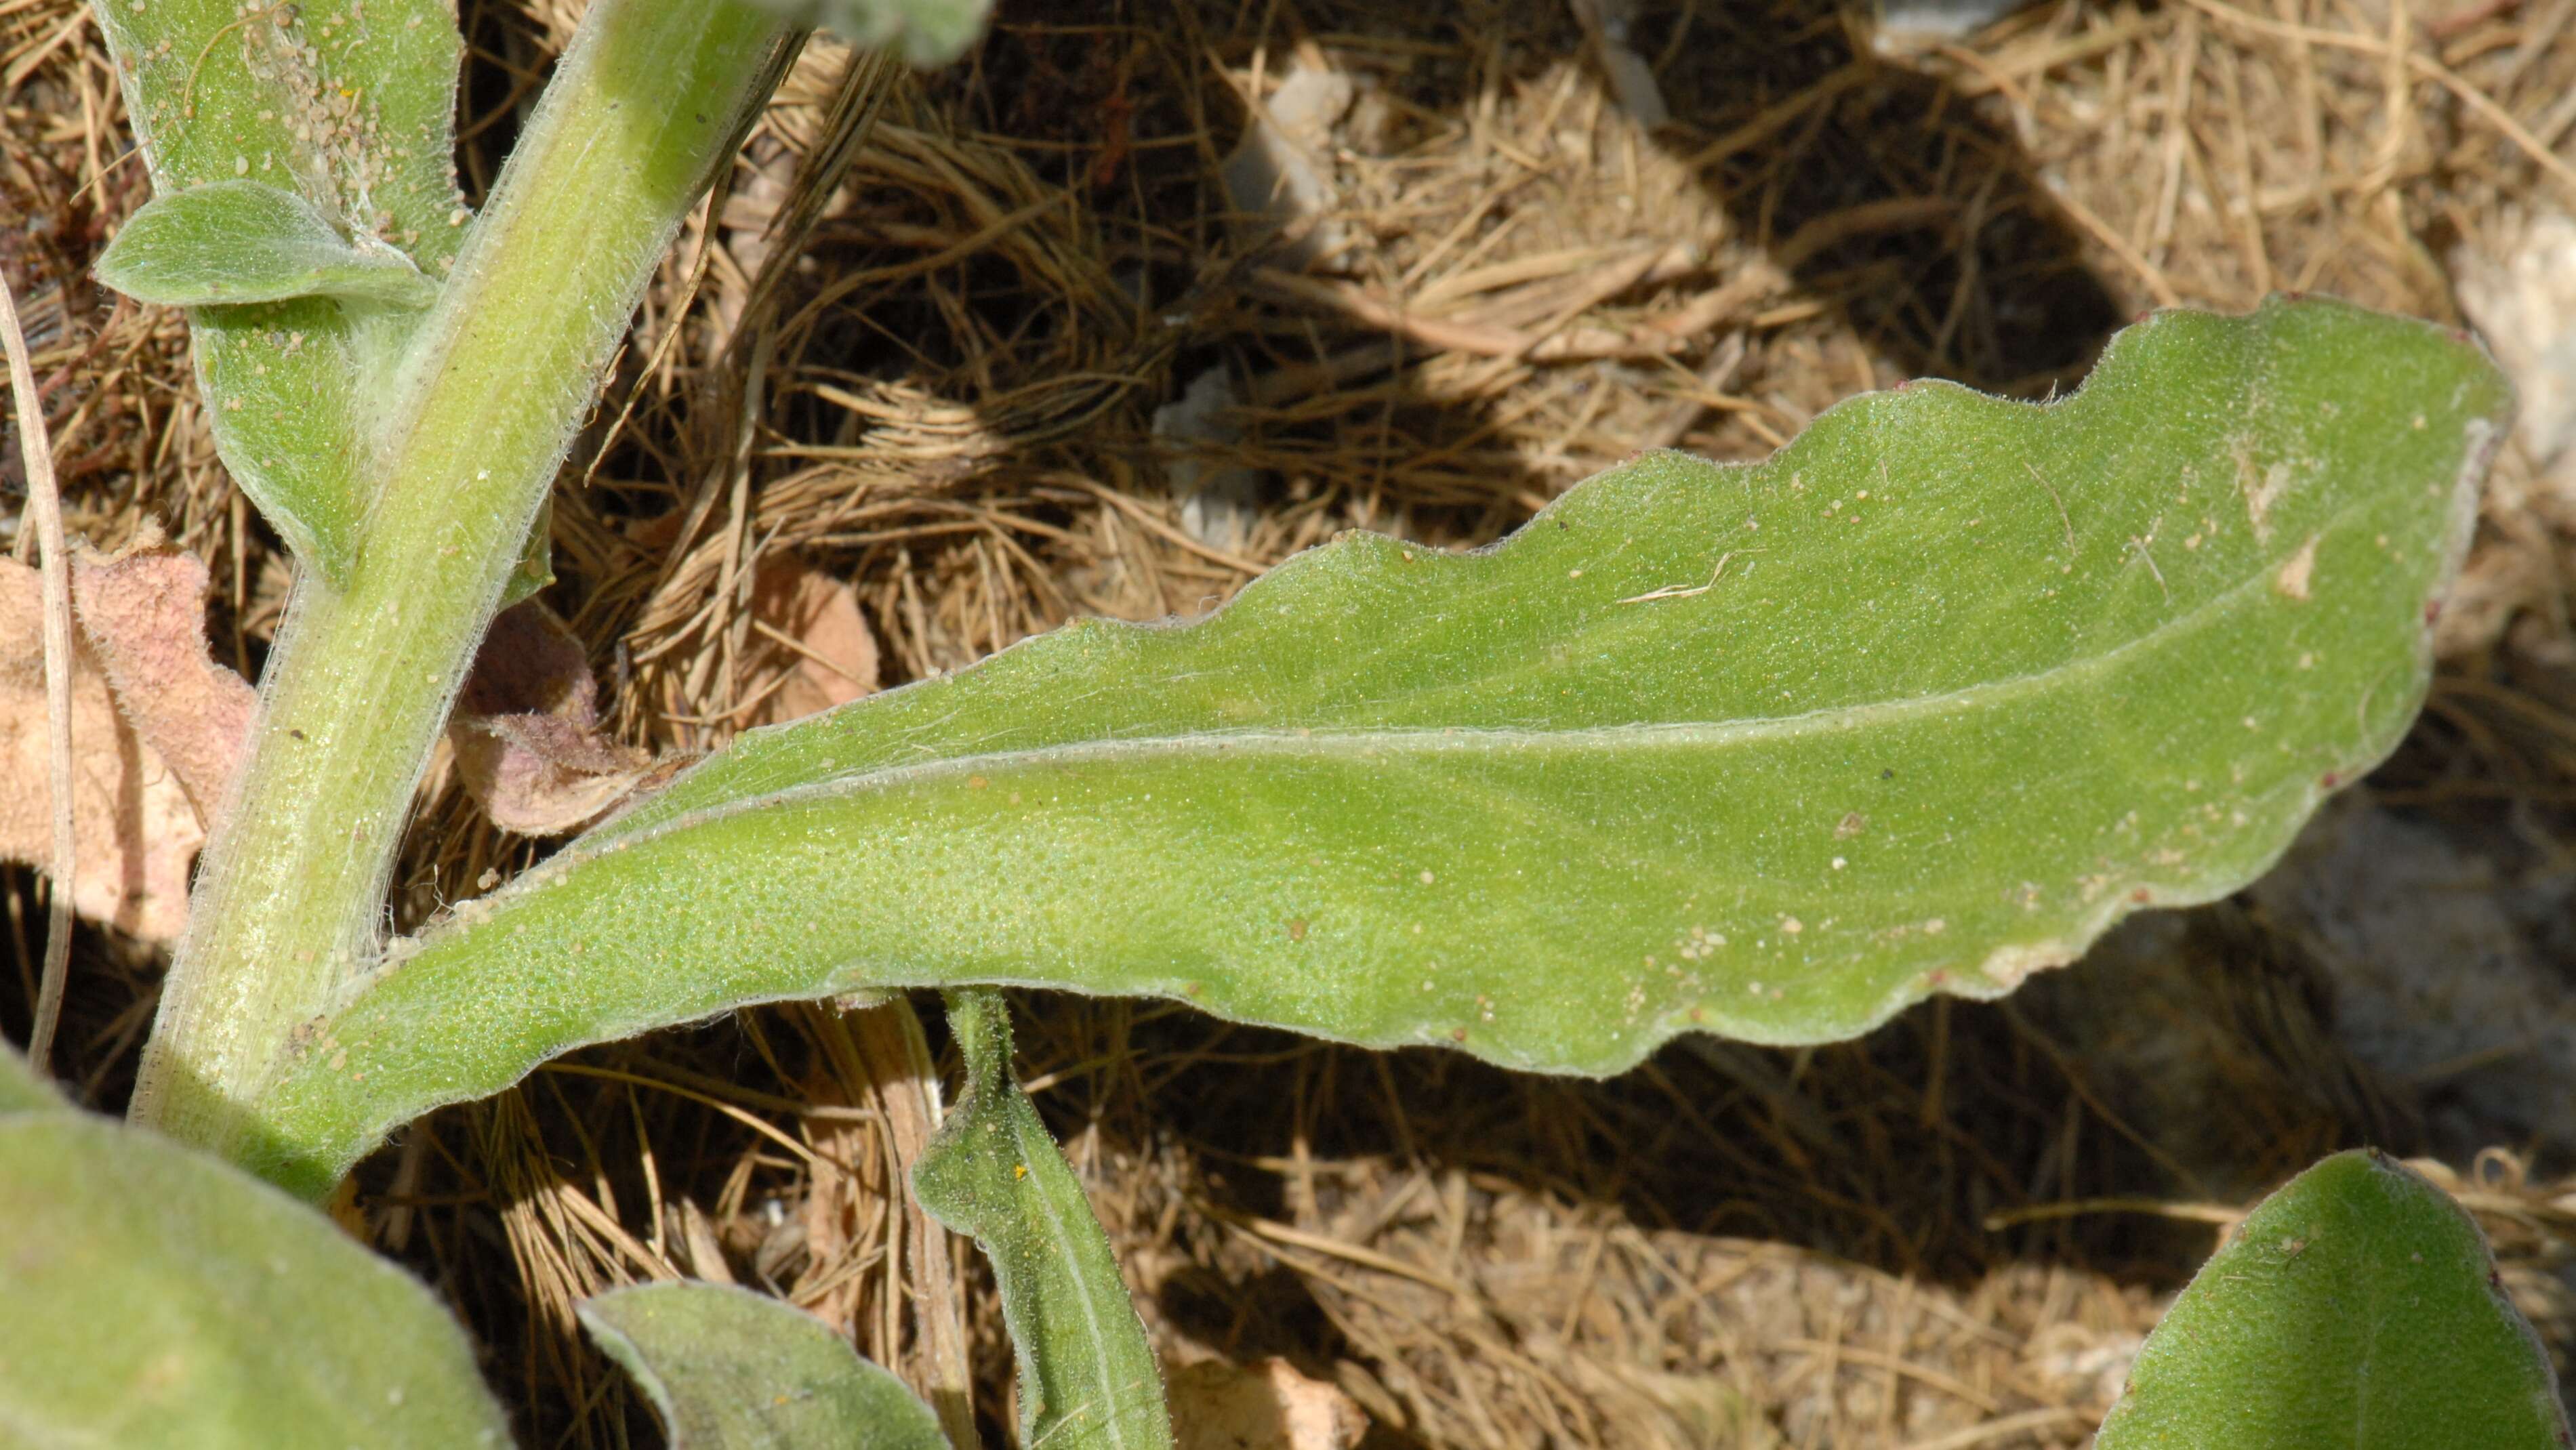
(144, 612)
(526, 731)
(157, 728)
(834, 658)
(1266, 1405)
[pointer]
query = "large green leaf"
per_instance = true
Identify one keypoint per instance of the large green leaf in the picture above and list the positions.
(1924, 703)
(347, 105)
(21, 1090)
(150, 1295)
(2355, 1309)
(1088, 1380)
(728, 1369)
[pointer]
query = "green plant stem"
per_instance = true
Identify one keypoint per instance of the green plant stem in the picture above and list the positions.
(648, 101)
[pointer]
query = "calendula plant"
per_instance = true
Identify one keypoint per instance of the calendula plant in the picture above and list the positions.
(1923, 704)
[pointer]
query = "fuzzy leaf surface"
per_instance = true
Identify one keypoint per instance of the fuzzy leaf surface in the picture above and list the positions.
(2355, 1309)
(728, 1369)
(1923, 703)
(22, 1091)
(157, 1296)
(927, 32)
(1088, 1379)
(349, 106)
(245, 241)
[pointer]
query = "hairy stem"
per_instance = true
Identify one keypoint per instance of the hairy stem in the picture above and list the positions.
(647, 102)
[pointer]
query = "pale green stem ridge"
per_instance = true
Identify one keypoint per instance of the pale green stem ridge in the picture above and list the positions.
(646, 103)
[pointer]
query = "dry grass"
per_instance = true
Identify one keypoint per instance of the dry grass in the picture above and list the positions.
(938, 379)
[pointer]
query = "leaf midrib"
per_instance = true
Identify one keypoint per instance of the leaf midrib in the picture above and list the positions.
(1330, 742)
(1067, 1241)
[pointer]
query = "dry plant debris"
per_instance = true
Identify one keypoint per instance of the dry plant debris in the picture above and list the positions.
(1267, 1406)
(939, 390)
(816, 619)
(2517, 283)
(526, 731)
(156, 730)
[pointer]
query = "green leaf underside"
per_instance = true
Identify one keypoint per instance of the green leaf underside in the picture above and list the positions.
(1088, 1380)
(927, 32)
(2355, 1309)
(1771, 751)
(728, 1369)
(158, 1297)
(349, 106)
(243, 241)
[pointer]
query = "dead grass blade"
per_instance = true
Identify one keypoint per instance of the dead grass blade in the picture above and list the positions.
(45, 509)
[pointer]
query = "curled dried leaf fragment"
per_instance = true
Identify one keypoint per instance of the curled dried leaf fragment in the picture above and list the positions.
(527, 734)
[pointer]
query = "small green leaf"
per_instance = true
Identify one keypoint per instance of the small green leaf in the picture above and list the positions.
(349, 106)
(2355, 1309)
(536, 567)
(1923, 704)
(1088, 1381)
(728, 1369)
(928, 32)
(150, 1295)
(241, 241)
